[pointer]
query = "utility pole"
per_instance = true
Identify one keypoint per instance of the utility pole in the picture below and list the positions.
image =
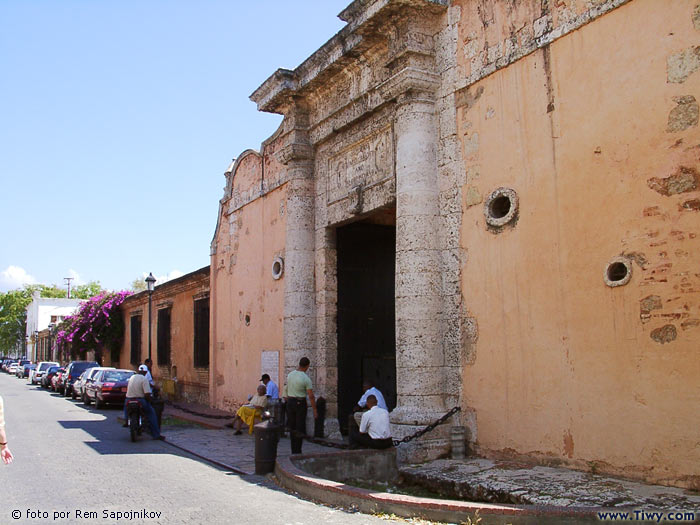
(68, 280)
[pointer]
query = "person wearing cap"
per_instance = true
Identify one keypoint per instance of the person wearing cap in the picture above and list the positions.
(273, 391)
(139, 389)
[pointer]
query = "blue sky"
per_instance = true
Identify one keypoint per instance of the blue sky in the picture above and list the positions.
(118, 119)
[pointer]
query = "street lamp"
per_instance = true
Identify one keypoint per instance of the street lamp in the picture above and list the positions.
(52, 326)
(150, 282)
(36, 346)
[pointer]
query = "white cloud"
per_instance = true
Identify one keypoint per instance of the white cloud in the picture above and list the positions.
(15, 277)
(77, 280)
(161, 279)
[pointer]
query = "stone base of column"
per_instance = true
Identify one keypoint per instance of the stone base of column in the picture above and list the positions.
(406, 421)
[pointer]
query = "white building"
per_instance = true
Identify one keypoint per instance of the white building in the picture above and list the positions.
(43, 311)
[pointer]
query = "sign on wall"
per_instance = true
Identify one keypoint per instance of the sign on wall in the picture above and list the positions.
(270, 364)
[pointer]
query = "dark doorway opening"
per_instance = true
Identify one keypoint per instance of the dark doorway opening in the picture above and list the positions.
(366, 312)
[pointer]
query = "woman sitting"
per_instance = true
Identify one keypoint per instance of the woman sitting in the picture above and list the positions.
(247, 414)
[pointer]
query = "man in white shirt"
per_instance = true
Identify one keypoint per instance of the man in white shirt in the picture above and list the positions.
(375, 430)
(370, 390)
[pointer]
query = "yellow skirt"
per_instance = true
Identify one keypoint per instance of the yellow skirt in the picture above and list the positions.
(249, 415)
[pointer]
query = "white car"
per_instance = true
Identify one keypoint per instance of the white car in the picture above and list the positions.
(12, 369)
(41, 369)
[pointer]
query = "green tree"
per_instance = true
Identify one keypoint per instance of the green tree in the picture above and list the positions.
(138, 284)
(13, 308)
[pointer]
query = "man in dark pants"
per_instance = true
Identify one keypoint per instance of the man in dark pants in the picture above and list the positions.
(298, 387)
(374, 431)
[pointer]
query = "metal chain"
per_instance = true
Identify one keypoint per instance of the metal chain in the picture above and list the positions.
(429, 428)
(432, 426)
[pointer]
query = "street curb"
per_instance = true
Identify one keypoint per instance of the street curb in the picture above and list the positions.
(209, 460)
(371, 502)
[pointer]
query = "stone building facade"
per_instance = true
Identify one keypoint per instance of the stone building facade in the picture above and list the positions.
(490, 204)
(180, 330)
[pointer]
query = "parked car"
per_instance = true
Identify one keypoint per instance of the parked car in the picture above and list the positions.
(88, 376)
(48, 376)
(27, 369)
(12, 368)
(73, 371)
(20, 367)
(40, 371)
(57, 381)
(108, 388)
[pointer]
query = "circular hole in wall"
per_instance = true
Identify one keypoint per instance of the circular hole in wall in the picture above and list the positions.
(618, 272)
(501, 207)
(247, 319)
(277, 267)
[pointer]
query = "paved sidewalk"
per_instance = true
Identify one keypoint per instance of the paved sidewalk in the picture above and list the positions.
(215, 442)
(472, 479)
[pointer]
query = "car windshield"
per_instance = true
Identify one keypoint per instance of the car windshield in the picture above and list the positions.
(46, 366)
(116, 375)
(78, 368)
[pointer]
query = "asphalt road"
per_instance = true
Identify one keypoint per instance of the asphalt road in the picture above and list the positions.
(75, 464)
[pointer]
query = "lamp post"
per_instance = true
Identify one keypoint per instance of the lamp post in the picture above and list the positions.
(35, 346)
(52, 326)
(150, 282)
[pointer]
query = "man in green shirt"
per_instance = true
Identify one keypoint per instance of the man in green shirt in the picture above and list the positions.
(298, 387)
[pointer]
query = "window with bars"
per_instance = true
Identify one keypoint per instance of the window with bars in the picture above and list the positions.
(163, 341)
(201, 333)
(135, 340)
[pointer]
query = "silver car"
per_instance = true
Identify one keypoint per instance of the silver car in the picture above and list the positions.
(86, 377)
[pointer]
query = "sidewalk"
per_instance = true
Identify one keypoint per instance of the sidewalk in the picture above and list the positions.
(471, 479)
(216, 443)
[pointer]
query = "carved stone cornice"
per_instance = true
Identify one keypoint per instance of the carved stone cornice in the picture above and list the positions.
(366, 23)
(411, 80)
(295, 151)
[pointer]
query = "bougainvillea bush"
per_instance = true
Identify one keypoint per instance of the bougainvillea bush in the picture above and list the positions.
(98, 325)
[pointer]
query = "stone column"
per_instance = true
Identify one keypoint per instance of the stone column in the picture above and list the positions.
(419, 350)
(299, 307)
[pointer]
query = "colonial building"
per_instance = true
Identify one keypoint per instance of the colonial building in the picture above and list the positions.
(179, 335)
(490, 204)
(42, 313)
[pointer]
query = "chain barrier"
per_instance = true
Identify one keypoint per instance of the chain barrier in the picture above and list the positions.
(334, 444)
(396, 442)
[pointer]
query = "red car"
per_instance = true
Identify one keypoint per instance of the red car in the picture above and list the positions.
(107, 388)
(57, 380)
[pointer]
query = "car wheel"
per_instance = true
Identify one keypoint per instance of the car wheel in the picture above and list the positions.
(98, 404)
(86, 399)
(72, 394)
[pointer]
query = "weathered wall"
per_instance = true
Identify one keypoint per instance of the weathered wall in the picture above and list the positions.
(178, 295)
(597, 134)
(246, 301)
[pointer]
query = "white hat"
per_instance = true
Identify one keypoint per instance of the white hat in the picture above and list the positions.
(143, 368)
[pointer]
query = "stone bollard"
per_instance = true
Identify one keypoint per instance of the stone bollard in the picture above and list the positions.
(457, 438)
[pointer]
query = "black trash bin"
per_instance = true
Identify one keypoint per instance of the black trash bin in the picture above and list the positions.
(319, 422)
(266, 438)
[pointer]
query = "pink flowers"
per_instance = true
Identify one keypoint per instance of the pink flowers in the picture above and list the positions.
(98, 323)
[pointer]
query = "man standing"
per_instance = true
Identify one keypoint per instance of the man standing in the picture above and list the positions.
(273, 392)
(139, 389)
(298, 387)
(149, 365)
(375, 431)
